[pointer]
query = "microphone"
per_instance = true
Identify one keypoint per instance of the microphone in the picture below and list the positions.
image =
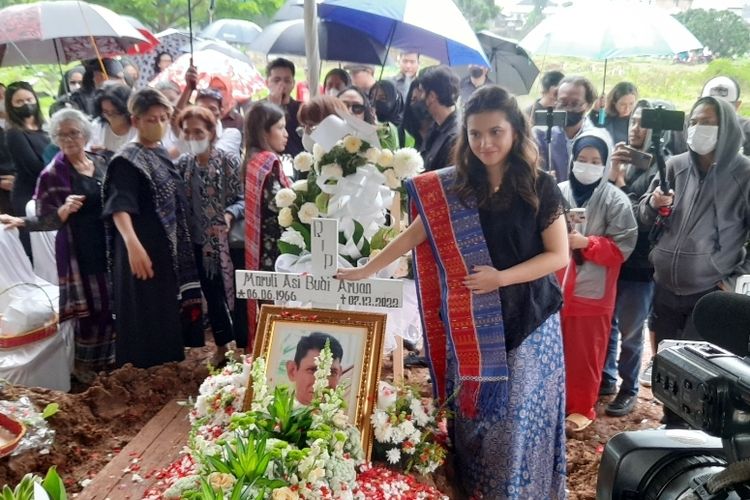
(723, 318)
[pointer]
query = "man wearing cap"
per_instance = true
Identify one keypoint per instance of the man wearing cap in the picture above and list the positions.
(728, 89)
(476, 78)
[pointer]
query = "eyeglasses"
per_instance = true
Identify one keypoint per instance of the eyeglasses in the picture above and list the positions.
(356, 109)
(72, 136)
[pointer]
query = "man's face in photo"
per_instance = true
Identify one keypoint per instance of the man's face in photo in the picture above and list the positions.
(303, 376)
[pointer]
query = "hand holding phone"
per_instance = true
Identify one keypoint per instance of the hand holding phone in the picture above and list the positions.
(576, 215)
(638, 158)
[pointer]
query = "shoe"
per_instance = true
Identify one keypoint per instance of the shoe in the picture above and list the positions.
(414, 361)
(622, 405)
(607, 388)
(575, 422)
(645, 376)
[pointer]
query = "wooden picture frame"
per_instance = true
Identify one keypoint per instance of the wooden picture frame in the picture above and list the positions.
(360, 335)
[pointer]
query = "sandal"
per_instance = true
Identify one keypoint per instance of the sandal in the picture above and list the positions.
(575, 422)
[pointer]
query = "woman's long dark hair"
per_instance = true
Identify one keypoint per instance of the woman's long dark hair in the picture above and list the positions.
(258, 122)
(519, 178)
(63, 88)
(13, 119)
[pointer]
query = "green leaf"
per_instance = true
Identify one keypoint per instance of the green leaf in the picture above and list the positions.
(321, 201)
(359, 231)
(53, 483)
(50, 410)
(285, 247)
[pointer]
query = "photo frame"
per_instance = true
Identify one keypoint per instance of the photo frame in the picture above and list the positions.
(360, 337)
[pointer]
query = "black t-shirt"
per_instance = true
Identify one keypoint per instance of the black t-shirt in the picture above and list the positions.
(438, 147)
(514, 235)
(294, 141)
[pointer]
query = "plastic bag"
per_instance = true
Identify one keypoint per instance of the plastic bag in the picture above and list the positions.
(30, 308)
(39, 435)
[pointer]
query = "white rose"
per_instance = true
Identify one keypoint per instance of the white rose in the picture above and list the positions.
(318, 152)
(407, 162)
(300, 186)
(391, 179)
(284, 493)
(307, 212)
(332, 170)
(340, 420)
(372, 155)
(293, 237)
(221, 481)
(352, 144)
(286, 217)
(285, 197)
(303, 162)
(386, 395)
(386, 158)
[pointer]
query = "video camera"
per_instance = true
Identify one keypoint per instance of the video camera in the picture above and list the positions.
(709, 387)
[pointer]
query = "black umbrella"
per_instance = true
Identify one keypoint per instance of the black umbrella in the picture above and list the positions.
(292, 9)
(511, 65)
(337, 42)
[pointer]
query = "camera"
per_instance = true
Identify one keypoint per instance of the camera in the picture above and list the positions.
(708, 387)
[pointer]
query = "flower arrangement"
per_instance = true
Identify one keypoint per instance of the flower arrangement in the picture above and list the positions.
(409, 429)
(354, 183)
(278, 449)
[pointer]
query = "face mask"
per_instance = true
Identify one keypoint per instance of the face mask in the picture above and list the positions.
(702, 138)
(476, 72)
(197, 147)
(333, 92)
(573, 118)
(382, 110)
(587, 173)
(152, 132)
(307, 142)
(25, 110)
(419, 108)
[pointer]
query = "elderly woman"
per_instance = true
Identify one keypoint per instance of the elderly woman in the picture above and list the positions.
(68, 199)
(155, 283)
(214, 194)
(112, 127)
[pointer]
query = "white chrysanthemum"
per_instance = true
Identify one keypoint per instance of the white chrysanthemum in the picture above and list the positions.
(393, 455)
(332, 170)
(285, 197)
(391, 179)
(293, 237)
(387, 395)
(418, 413)
(286, 217)
(303, 162)
(300, 186)
(372, 155)
(307, 212)
(352, 144)
(407, 162)
(318, 152)
(386, 158)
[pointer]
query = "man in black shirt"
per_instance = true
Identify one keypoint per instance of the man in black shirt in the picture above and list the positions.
(280, 82)
(437, 93)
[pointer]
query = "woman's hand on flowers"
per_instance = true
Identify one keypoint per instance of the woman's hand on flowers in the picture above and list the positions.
(140, 262)
(11, 222)
(352, 273)
(484, 279)
(577, 241)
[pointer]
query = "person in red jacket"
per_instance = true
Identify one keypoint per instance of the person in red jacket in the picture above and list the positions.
(599, 243)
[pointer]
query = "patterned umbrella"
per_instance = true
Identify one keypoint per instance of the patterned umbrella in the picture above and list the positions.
(61, 32)
(170, 41)
(243, 77)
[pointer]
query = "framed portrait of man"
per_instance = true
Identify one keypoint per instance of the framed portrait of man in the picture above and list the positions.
(290, 339)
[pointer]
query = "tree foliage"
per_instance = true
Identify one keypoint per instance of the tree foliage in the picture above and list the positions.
(723, 31)
(479, 13)
(162, 14)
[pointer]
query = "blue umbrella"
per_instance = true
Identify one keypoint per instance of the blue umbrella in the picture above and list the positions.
(436, 28)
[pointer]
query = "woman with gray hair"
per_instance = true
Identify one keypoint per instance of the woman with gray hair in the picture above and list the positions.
(68, 199)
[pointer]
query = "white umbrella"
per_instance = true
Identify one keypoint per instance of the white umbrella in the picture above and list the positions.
(61, 32)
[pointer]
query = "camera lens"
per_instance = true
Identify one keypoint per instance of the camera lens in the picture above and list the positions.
(671, 479)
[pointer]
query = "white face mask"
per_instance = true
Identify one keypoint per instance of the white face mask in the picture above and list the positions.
(307, 142)
(702, 138)
(587, 173)
(197, 147)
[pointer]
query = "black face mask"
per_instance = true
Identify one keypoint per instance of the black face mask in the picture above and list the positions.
(383, 110)
(419, 109)
(573, 118)
(25, 110)
(476, 72)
